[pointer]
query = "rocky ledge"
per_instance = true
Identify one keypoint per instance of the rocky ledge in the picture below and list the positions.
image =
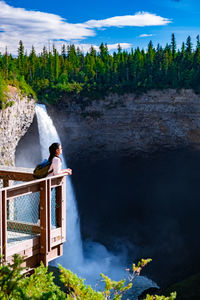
(14, 123)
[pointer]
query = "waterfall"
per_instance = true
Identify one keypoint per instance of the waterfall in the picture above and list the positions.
(48, 135)
(95, 259)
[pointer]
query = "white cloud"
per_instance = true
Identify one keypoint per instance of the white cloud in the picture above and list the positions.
(140, 19)
(122, 45)
(146, 35)
(43, 29)
(34, 27)
(87, 47)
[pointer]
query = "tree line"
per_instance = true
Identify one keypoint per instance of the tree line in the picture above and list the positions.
(51, 74)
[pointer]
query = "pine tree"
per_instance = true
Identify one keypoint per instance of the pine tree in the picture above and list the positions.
(21, 57)
(173, 46)
(188, 45)
(198, 42)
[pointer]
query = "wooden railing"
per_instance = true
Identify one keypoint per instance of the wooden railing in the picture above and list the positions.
(37, 240)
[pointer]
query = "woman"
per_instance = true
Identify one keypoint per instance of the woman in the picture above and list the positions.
(56, 162)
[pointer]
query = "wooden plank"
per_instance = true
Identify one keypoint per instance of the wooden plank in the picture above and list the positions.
(56, 237)
(56, 241)
(56, 181)
(55, 232)
(55, 253)
(21, 247)
(21, 190)
(16, 173)
(23, 227)
(4, 224)
(31, 262)
(16, 176)
(28, 263)
(31, 252)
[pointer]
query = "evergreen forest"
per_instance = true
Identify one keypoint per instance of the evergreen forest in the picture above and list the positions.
(51, 74)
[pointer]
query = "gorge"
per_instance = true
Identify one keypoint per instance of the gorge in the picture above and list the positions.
(135, 172)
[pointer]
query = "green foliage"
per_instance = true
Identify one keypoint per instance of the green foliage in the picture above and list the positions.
(76, 287)
(10, 277)
(114, 289)
(24, 88)
(171, 297)
(141, 264)
(3, 90)
(52, 75)
(41, 286)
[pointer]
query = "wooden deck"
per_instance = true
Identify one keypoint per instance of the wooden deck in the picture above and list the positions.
(32, 216)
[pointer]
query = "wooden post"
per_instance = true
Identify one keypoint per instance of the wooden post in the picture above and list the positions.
(1, 225)
(61, 212)
(5, 182)
(4, 224)
(44, 222)
(63, 209)
(49, 212)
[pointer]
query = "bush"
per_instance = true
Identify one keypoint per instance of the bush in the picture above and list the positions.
(3, 90)
(40, 285)
(24, 87)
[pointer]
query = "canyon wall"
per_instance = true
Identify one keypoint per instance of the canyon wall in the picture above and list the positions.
(128, 124)
(14, 123)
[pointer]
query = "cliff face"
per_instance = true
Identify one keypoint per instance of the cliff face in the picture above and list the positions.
(128, 124)
(14, 122)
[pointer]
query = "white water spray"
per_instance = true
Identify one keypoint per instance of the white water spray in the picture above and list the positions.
(98, 259)
(48, 135)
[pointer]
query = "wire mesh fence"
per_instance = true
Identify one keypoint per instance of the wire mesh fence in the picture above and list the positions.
(23, 216)
(53, 208)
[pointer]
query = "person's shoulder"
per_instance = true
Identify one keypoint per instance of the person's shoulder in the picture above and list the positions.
(56, 159)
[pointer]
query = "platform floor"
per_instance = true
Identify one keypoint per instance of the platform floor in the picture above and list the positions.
(14, 237)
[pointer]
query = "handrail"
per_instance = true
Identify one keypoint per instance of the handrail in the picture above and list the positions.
(32, 182)
(15, 173)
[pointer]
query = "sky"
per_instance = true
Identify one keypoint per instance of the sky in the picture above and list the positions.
(88, 23)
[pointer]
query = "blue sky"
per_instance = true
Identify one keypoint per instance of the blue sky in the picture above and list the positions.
(85, 23)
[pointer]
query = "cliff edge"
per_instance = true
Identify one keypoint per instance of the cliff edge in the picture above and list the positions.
(14, 123)
(128, 124)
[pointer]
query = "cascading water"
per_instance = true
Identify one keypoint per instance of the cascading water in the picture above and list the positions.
(49, 135)
(96, 259)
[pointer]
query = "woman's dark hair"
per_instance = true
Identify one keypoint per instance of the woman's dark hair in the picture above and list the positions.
(52, 150)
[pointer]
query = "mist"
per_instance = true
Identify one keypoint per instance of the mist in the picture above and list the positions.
(135, 208)
(91, 258)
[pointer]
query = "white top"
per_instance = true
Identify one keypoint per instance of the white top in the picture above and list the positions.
(56, 166)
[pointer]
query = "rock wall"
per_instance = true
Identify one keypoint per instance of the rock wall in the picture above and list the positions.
(14, 123)
(128, 124)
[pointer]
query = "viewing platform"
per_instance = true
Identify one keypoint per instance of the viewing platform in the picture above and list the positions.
(32, 216)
